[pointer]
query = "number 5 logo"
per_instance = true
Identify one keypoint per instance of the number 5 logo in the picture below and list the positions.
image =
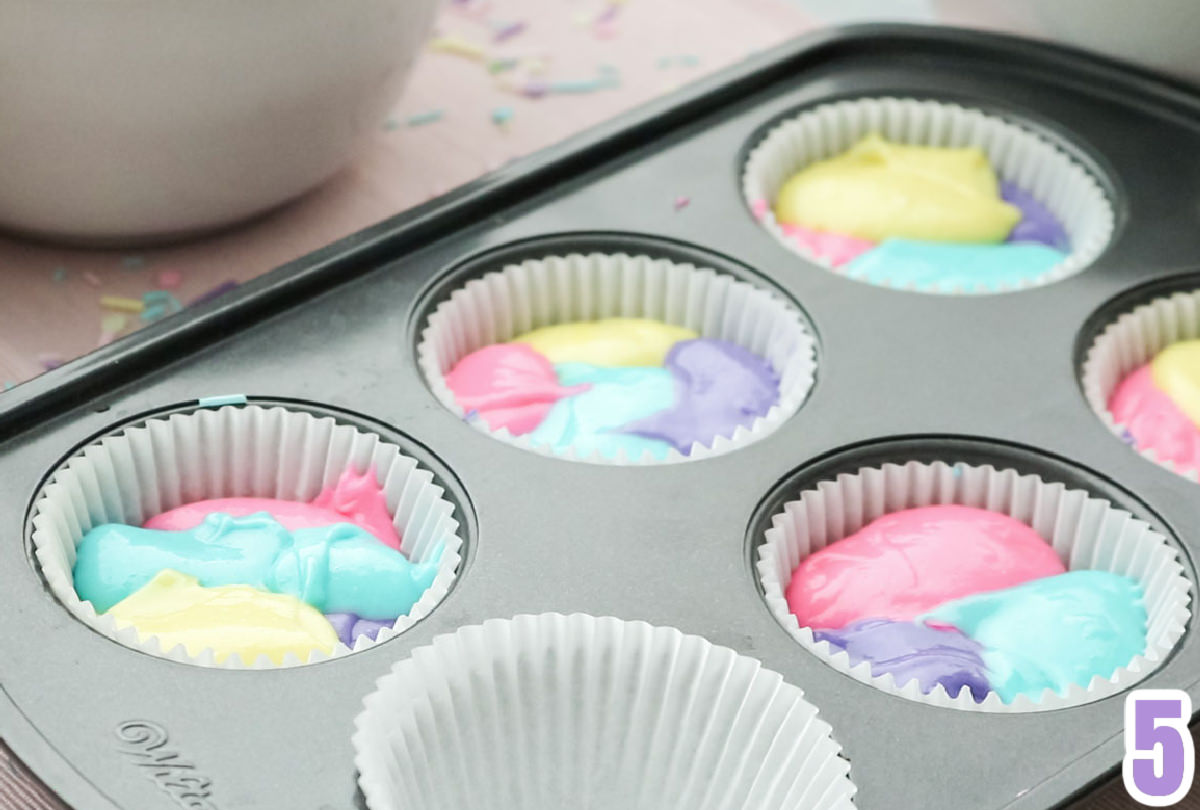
(1160, 759)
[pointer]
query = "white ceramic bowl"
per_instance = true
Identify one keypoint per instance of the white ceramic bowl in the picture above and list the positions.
(123, 119)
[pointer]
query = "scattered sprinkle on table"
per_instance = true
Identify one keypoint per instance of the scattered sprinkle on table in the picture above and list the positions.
(169, 279)
(502, 115)
(682, 203)
(215, 292)
(506, 31)
(457, 46)
(121, 304)
(427, 117)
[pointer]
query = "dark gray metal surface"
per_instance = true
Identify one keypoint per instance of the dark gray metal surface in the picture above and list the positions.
(670, 545)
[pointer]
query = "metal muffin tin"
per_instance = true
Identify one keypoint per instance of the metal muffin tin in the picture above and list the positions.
(900, 376)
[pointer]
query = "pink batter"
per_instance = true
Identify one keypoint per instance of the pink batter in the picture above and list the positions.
(835, 248)
(509, 385)
(1154, 421)
(909, 562)
(356, 498)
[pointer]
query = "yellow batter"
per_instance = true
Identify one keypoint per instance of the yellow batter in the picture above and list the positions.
(229, 618)
(1176, 372)
(879, 189)
(607, 342)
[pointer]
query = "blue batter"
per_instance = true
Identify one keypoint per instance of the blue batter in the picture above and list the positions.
(925, 265)
(1052, 632)
(340, 568)
(618, 395)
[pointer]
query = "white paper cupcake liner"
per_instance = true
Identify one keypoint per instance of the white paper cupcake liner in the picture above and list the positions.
(550, 712)
(1087, 532)
(562, 289)
(252, 451)
(1017, 154)
(1130, 342)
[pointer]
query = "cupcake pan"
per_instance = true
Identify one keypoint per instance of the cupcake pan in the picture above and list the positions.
(983, 380)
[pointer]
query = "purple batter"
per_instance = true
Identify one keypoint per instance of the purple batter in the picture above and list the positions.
(719, 386)
(1037, 223)
(349, 627)
(911, 650)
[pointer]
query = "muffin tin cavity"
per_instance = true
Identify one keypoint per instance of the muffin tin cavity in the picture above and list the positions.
(1086, 531)
(139, 471)
(1025, 162)
(1141, 400)
(516, 294)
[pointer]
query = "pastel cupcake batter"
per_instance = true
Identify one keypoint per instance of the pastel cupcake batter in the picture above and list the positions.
(906, 563)
(903, 262)
(626, 388)
(878, 189)
(337, 568)
(355, 498)
(229, 619)
(591, 421)
(967, 598)
(606, 342)
(1053, 632)
(906, 650)
(509, 385)
(719, 387)
(919, 216)
(1159, 405)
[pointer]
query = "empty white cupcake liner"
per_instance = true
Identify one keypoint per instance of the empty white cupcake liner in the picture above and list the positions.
(1017, 155)
(548, 712)
(562, 289)
(1086, 532)
(250, 451)
(1130, 342)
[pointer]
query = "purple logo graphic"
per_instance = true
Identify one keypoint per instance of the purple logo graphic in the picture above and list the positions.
(1159, 756)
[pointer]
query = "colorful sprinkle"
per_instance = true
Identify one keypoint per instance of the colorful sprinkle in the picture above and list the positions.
(133, 262)
(502, 115)
(91, 278)
(427, 117)
(111, 325)
(215, 292)
(170, 279)
(51, 361)
(114, 322)
(682, 203)
(457, 46)
(507, 31)
(502, 65)
(59, 275)
(121, 304)
(159, 304)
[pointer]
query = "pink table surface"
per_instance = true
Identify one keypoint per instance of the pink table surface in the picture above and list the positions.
(50, 295)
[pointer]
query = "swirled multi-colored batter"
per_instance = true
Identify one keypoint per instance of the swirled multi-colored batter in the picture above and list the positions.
(919, 216)
(615, 386)
(253, 576)
(967, 598)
